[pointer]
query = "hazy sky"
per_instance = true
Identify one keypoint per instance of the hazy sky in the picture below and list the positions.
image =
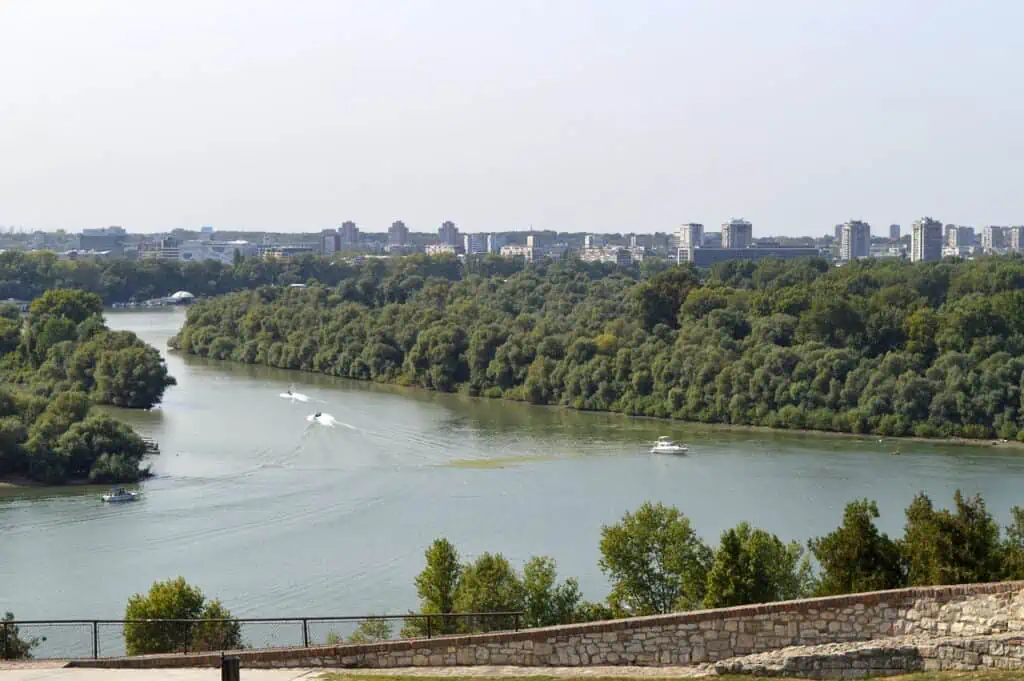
(582, 115)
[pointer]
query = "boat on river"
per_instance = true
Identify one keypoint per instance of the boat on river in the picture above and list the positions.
(120, 495)
(665, 445)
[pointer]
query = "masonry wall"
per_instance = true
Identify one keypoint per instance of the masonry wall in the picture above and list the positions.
(676, 639)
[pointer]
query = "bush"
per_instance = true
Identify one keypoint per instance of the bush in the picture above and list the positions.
(175, 599)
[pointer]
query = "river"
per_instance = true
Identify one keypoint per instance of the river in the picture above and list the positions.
(278, 517)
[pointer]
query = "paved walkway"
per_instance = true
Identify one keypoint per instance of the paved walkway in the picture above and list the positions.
(42, 671)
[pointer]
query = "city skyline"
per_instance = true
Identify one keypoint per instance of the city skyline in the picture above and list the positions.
(590, 116)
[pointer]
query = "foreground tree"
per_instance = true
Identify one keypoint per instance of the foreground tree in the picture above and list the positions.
(175, 599)
(489, 584)
(655, 561)
(546, 602)
(12, 645)
(951, 547)
(436, 587)
(753, 566)
(856, 557)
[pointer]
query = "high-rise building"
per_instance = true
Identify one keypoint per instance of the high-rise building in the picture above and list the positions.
(494, 243)
(398, 233)
(959, 236)
(837, 233)
(1016, 238)
(926, 240)
(448, 233)
(855, 240)
(473, 244)
(894, 232)
(737, 234)
(691, 235)
(349, 233)
(993, 238)
(330, 241)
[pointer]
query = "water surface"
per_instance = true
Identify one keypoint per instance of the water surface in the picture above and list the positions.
(278, 518)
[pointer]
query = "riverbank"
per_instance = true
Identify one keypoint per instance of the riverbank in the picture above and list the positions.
(399, 388)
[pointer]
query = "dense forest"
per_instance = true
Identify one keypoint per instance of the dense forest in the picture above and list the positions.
(26, 276)
(930, 349)
(56, 363)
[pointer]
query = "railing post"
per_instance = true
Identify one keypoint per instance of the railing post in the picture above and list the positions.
(3, 642)
(95, 640)
(428, 624)
(305, 632)
(516, 621)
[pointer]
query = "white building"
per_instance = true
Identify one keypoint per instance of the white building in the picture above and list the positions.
(441, 249)
(221, 251)
(855, 240)
(737, 233)
(474, 244)
(691, 235)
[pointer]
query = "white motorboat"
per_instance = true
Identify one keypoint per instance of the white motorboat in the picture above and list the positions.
(120, 495)
(665, 445)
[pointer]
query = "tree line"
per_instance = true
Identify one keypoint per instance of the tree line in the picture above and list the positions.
(55, 364)
(891, 348)
(655, 563)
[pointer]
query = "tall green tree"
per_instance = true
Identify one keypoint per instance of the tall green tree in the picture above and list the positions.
(546, 602)
(753, 566)
(856, 556)
(951, 547)
(175, 599)
(490, 584)
(655, 561)
(437, 587)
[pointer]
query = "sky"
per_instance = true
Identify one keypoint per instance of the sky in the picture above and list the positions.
(575, 115)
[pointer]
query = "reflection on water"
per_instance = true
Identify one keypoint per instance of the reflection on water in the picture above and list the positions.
(280, 517)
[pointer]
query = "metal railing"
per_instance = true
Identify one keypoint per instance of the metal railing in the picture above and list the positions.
(81, 638)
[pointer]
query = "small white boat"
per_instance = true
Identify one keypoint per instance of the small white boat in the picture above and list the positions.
(665, 446)
(120, 495)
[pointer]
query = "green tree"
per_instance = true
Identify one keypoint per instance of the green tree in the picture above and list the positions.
(547, 602)
(437, 587)
(1013, 545)
(951, 547)
(489, 584)
(856, 557)
(175, 599)
(655, 561)
(753, 566)
(371, 631)
(76, 306)
(13, 645)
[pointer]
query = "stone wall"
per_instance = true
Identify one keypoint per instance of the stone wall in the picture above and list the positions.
(678, 639)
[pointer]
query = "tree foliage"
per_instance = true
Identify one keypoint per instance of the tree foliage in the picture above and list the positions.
(926, 349)
(13, 645)
(856, 556)
(655, 561)
(175, 599)
(753, 566)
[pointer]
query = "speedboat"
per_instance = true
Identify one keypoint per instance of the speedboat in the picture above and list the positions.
(120, 495)
(665, 446)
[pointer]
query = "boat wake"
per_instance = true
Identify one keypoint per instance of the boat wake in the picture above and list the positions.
(295, 397)
(326, 420)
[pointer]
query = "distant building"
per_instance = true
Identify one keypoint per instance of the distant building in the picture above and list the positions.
(448, 233)
(706, 257)
(994, 238)
(837, 233)
(331, 241)
(349, 234)
(1016, 239)
(894, 232)
(712, 240)
(207, 230)
(959, 236)
(220, 251)
(855, 240)
(593, 241)
(474, 244)
(103, 239)
(519, 251)
(289, 251)
(494, 243)
(926, 240)
(737, 234)
(398, 234)
(643, 241)
(615, 255)
(441, 249)
(691, 235)
(168, 249)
